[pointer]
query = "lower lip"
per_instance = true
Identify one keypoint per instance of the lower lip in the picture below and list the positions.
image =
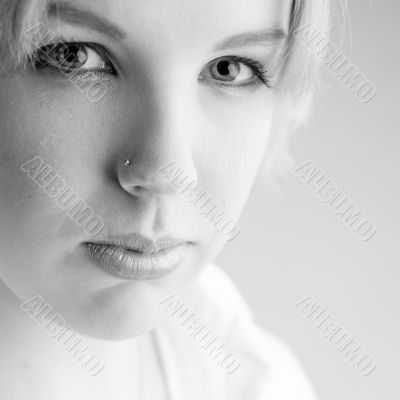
(131, 265)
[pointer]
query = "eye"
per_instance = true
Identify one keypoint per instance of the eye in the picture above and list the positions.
(234, 72)
(68, 57)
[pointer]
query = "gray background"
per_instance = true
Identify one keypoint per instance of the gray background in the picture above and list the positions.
(292, 245)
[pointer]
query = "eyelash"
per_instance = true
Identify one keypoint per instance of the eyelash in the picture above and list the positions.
(38, 60)
(263, 78)
(258, 68)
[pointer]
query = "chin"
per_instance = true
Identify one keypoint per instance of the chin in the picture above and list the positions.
(118, 316)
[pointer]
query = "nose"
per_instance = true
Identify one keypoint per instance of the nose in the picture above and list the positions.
(161, 139)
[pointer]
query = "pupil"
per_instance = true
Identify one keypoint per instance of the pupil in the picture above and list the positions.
(65, 57)
(223, 68)
(71, 57)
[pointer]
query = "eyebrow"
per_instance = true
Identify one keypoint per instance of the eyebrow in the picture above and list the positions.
(69, 13)
(246, 39)
(66, 12)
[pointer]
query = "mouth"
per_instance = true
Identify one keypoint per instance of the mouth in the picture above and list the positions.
(135, 257)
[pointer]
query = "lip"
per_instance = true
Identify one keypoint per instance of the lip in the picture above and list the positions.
(141, 244)
(135, 257)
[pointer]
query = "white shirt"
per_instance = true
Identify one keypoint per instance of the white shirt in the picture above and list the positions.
(268, 369)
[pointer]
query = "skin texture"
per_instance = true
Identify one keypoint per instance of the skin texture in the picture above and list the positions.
(155, 112)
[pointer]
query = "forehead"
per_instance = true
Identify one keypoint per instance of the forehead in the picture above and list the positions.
(190, 24)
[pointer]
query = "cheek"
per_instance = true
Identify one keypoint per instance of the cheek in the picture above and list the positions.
(60, 126)
(237, 131)
(38, 123)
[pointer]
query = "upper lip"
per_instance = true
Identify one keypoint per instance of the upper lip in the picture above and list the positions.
(140, 243)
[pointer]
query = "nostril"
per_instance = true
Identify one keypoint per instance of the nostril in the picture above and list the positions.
(153, 177)
(143, 181)
(139, 190)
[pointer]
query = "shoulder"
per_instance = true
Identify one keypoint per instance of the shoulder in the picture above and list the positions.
(267, 361)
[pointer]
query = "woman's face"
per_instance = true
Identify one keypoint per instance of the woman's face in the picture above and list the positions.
(180, 88)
